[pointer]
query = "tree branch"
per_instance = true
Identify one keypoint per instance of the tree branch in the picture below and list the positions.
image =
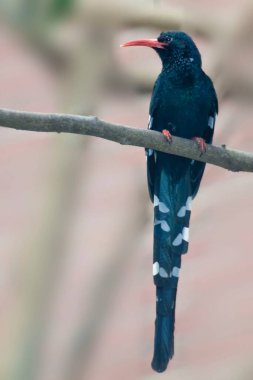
(230, 159)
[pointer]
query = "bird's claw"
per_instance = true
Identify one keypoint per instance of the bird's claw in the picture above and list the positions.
(201, 144)
(167, 135)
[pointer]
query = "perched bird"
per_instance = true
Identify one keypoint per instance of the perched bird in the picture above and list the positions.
(184, 104)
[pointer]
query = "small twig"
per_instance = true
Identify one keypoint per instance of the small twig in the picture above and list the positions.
(90, 125)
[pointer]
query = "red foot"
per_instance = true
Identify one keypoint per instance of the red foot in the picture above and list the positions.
(167, 135)
(201, 144)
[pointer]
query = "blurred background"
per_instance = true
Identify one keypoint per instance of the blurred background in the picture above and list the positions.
(77, 300)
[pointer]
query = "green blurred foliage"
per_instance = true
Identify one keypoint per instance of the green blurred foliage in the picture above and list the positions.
(30, 12)
(60, 8)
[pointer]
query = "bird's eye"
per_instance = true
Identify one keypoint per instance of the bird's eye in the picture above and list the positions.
(169, 39)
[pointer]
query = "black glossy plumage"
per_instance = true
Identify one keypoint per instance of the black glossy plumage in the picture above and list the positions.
(183, 102)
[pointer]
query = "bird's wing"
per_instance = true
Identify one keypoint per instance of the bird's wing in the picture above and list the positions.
(150, 153)
(151, 157)
(197, 167)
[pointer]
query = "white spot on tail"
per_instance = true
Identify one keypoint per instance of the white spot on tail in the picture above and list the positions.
(181, 236)
(211, 122)
(178, 240)
(185, 234)
(164, 226)
(159, 270)
(163, 207)
(156, 200)
(189, 204)
(181, 213)
(155, 268)
(163, 273)
(175, 272)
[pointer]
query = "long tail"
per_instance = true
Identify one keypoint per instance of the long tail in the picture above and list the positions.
(172, 203)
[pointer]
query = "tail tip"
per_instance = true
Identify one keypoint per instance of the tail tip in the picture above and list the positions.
(159, 365)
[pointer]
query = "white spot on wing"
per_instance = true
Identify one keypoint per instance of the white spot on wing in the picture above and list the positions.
(211, 122)
(163, 273)
(149, 152)
(155, 268)
(178, 240)
(185, 233)
(150, 121)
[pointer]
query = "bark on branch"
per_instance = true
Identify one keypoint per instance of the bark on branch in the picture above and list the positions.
(230, 159)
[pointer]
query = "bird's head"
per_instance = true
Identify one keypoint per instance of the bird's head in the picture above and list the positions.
(174, 48)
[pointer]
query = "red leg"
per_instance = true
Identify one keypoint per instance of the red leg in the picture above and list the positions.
(167, 135)
(201, 144)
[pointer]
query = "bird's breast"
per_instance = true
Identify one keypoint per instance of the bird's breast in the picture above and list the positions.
(183, 111)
